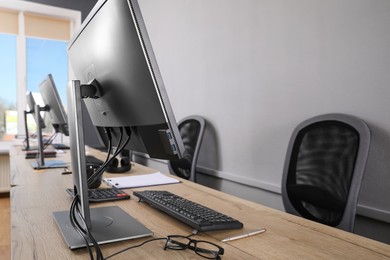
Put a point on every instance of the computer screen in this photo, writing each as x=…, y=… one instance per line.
x=54, y=105
x=117, y=76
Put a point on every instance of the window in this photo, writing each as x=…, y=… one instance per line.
x=8, y=32
x=46, y=56
x=8, y=120
x=33, y=41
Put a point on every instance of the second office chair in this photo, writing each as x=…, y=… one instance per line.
x=191, y=130
x=324, y=167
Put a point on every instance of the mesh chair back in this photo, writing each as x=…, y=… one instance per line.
x=324, y=168
x=191, y=130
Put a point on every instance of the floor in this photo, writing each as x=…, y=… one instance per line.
x=5, y=227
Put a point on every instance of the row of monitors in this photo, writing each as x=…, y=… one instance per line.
x=56, y=110
x=145, y=138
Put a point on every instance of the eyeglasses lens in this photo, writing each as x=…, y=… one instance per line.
x=207, y=250
x=177, y=242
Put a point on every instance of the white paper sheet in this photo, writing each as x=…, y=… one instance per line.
x=140, y=180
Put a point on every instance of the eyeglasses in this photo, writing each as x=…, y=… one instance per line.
x=203, y=248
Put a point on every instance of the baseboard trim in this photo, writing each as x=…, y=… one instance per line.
x=374, y=213
x=240, y=179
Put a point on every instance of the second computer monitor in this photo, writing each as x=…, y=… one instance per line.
x=54, y=105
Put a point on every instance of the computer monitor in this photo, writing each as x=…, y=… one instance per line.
x=118, y=78
x=52, y=100
x=31, y=110
x=40, y=123
x=35, y=110
x=59, y=119
x=30, y=101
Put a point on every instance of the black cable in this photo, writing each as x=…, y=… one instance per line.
x=118, y=150
x=49, y=141
x=85, y=233
x=102, y=167
x=141, y=244
x=45, y=145
x=76, y=225
x=131, y=247
x=98, y=251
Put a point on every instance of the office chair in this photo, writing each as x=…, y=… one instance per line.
x=191, y=130
x=324, y=167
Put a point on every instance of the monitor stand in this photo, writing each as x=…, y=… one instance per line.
x=49, y=164
x=26, y=130
x=40, y=163
x=109, y=224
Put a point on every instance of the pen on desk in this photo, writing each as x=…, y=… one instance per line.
x=249, y=234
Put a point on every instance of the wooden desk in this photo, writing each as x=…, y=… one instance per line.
x=35, y=235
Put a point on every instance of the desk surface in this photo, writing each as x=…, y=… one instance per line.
x=38, y=194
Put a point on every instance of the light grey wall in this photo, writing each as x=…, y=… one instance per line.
x=256, y=68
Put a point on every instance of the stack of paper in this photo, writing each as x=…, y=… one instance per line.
x=140, y=180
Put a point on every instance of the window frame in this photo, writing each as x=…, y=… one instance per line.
x=22, y=7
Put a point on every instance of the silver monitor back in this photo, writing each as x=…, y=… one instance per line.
x=113, y=48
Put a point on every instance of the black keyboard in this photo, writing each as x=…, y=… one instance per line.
x=193, y=214
x=104, y=194
x=89, y=159
x=60, y=146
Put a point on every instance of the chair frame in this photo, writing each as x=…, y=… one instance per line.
x=348, y=218
x=202, y=123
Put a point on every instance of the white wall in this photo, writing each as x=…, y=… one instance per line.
x=256, y=68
